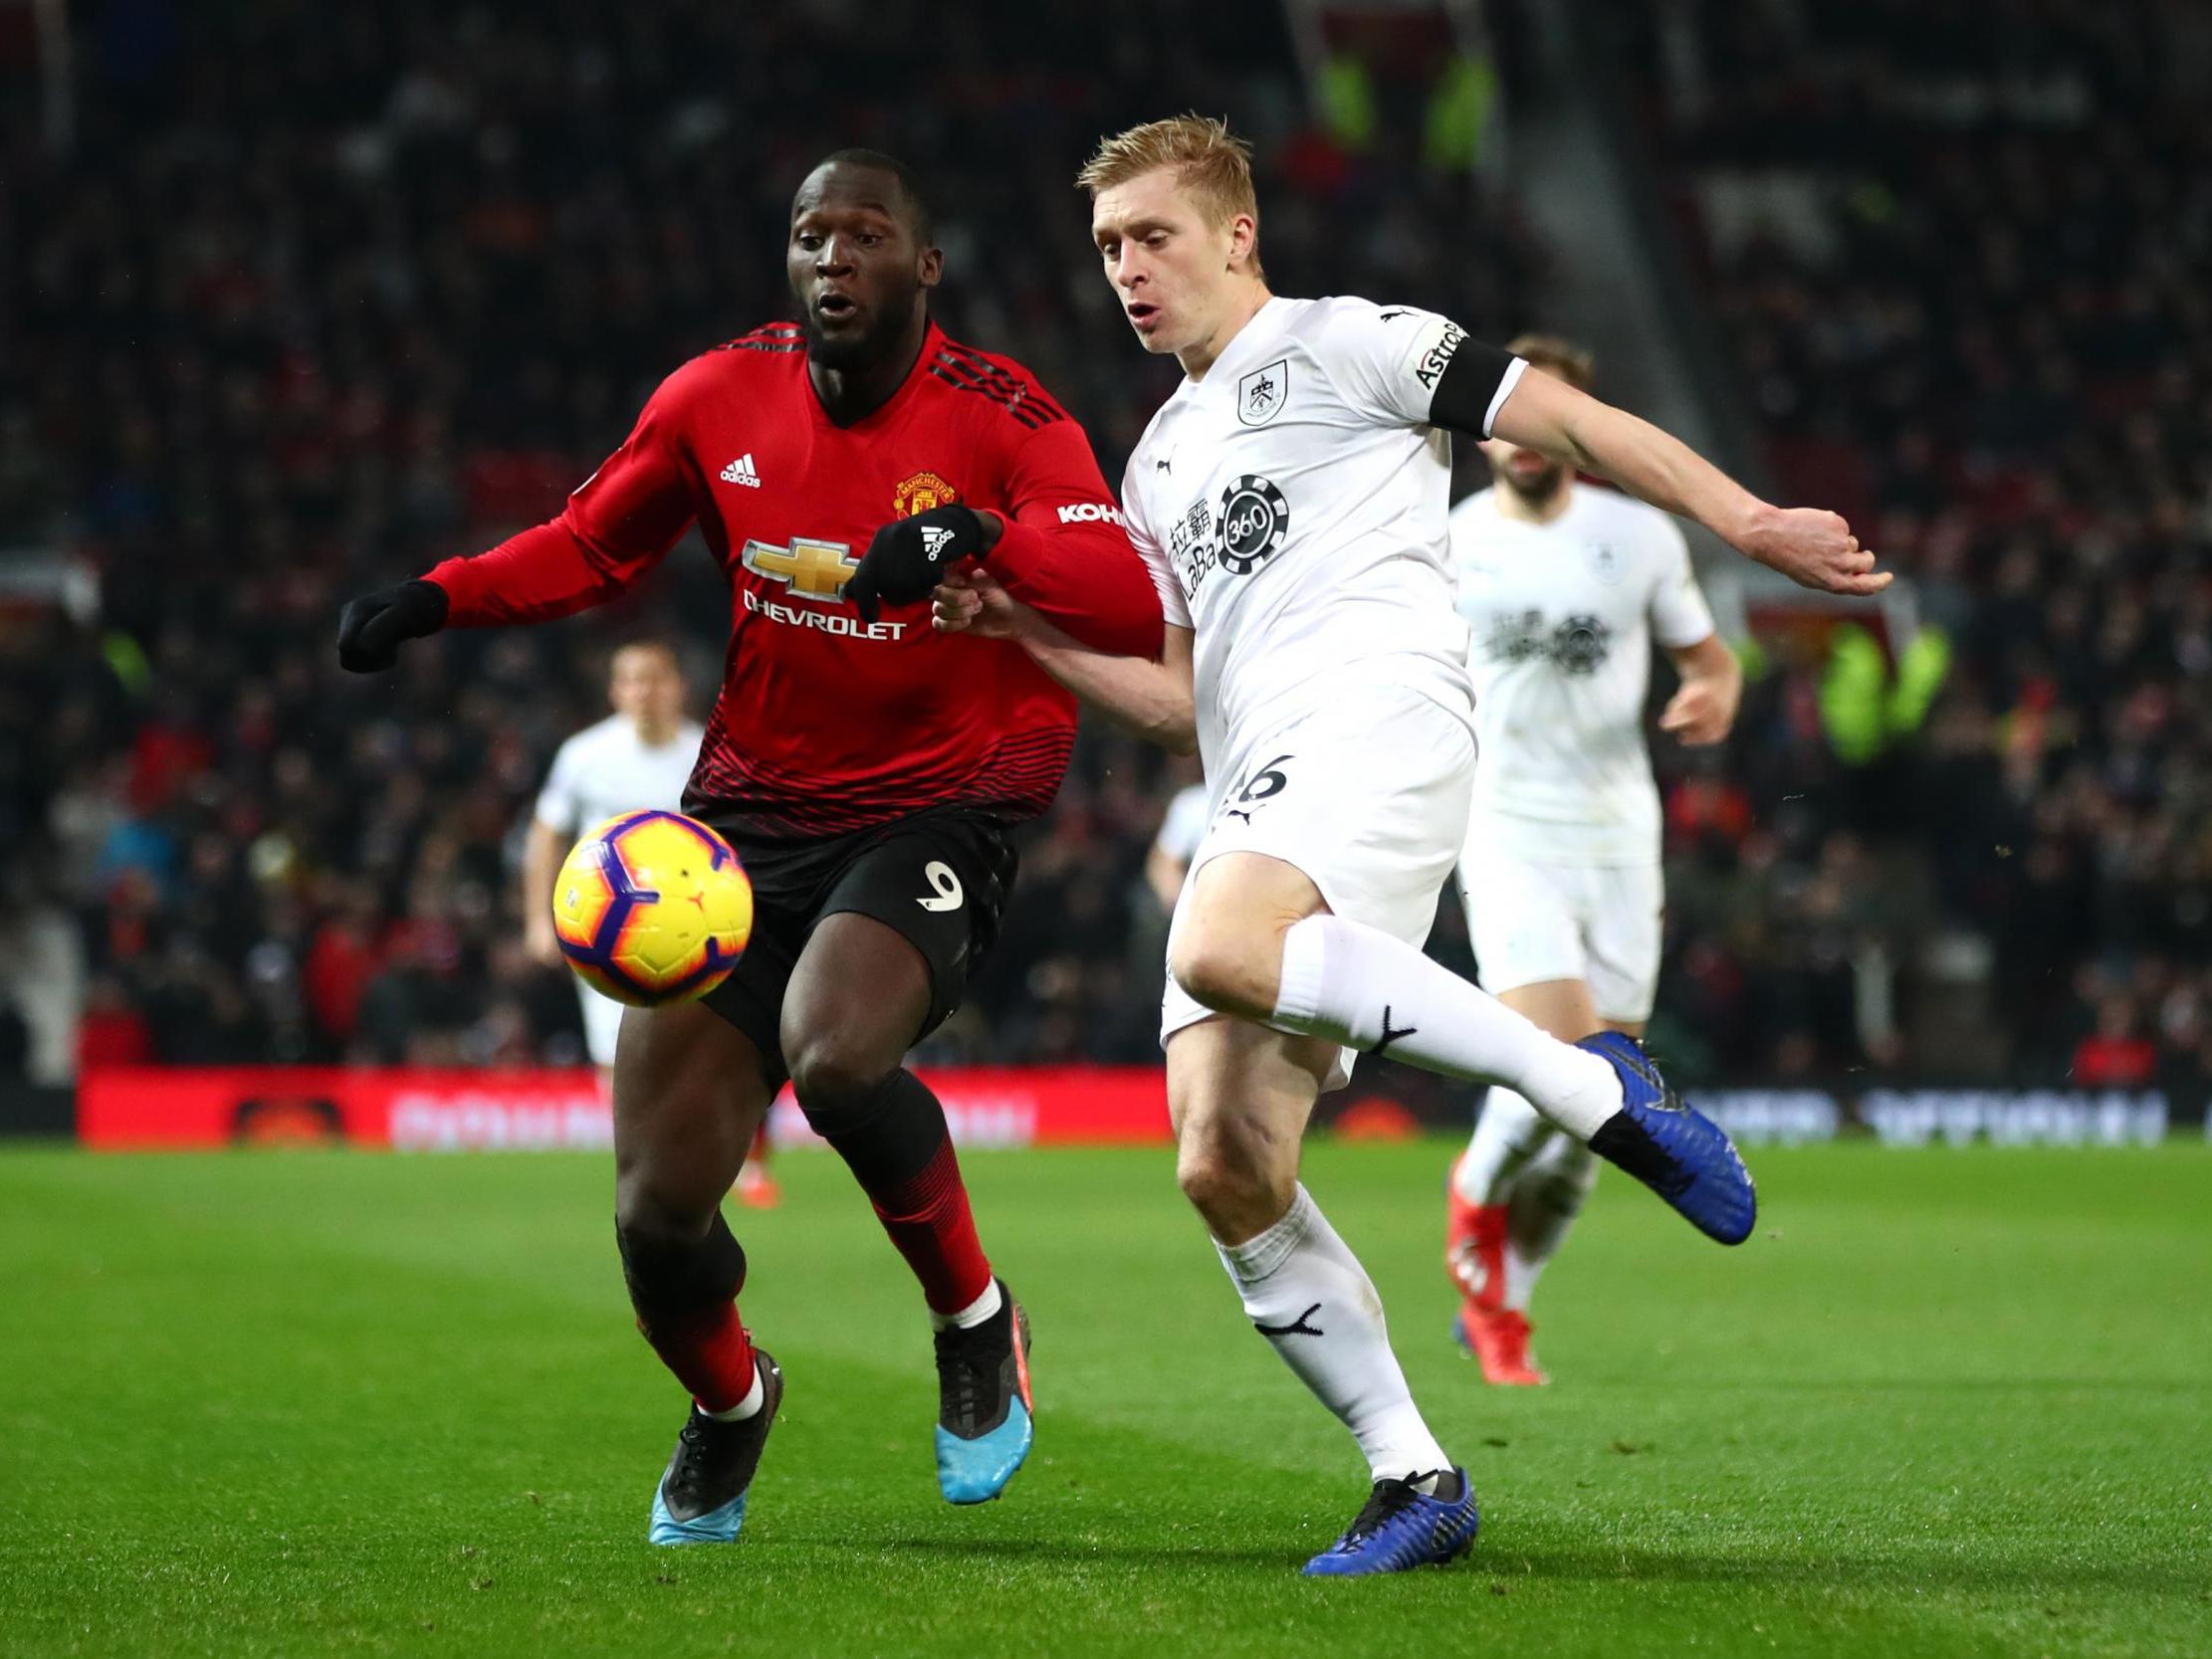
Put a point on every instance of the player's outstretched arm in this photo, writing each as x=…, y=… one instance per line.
x=1810, y=546
x=1149, y=697
x=617, y=525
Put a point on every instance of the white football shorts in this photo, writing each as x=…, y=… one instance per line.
x=1367, y=796
x=1533, y=923
x=602, y=1023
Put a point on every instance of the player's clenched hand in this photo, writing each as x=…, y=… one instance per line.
x=910, y=557
x=371, y=628
x=1814, y=549
x=1700, y=713
x=974, y=602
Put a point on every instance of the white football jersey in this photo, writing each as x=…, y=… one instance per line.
x=1561, y=620
x=1292, y=507
x=604, y=769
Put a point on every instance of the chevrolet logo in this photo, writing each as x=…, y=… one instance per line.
x=817, y=570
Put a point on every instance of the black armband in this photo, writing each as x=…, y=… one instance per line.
x=1471, y=384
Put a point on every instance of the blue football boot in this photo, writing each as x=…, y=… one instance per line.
x=1671, y=1146
x=1402, y=1526
x=983, y=1425
x=701, y=1499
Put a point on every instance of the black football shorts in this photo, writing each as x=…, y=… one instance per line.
x=940, y=878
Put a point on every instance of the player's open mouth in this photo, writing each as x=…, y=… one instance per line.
x=836, y=308
x=1143, y=315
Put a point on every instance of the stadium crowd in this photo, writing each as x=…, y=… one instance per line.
x=315, y=299
x=1958, y=252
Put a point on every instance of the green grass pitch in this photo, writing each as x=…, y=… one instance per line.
x=1945, y=1402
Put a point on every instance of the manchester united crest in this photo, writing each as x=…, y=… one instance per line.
x=921, y=493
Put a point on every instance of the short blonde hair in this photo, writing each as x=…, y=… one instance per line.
x=1210, y=161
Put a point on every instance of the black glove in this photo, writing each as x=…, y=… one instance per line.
x=910, y=557
x=370, y=628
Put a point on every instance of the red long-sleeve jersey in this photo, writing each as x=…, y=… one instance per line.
x=825, y=722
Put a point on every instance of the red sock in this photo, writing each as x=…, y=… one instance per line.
x=930, y=1222
x=711, y=1354
x=1475, y=1250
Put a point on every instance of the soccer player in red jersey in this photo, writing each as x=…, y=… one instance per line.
x=867, y=769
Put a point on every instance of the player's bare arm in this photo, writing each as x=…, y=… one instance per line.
x=1149, y=697
x=1703, y=707
x=1810, y=546
x=541, y=855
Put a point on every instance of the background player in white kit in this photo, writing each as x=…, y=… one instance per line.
x=1290, y=497
x=1182, y=828
x=641, y=755
x=1564, y=588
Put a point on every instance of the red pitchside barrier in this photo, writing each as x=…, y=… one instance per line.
x=148, y=1108
x=1042, y=1106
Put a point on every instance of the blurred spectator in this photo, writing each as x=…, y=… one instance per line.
x=2115, y=1054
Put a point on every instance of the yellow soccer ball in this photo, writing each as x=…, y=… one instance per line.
x=652, y=907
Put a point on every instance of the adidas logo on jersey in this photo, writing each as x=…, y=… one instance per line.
x=741, y=471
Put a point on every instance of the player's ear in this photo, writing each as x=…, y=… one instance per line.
x=931, y=268
x=1243, y=240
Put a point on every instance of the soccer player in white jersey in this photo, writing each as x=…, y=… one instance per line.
x=1292, y=497
x=1182, y=828
x=1565, y=589
x=641, y=755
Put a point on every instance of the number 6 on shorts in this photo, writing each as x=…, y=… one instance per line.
x=948, y=894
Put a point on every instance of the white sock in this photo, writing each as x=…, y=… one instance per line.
x=974, y=1314
x=1546, y=1199
x=1508, y=1135
x=1359, y=986
x=744, y=1407
x=1318, y=1308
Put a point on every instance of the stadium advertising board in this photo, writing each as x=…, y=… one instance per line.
x=1913, y=1116
x=471, y=1111
x=464, y=1111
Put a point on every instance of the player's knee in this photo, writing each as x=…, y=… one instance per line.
x=658, y=1212
x=1236, y=1195
x=674, y=1270
x=1223, y=967
x=836, y=1078
x=1206, y=1179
